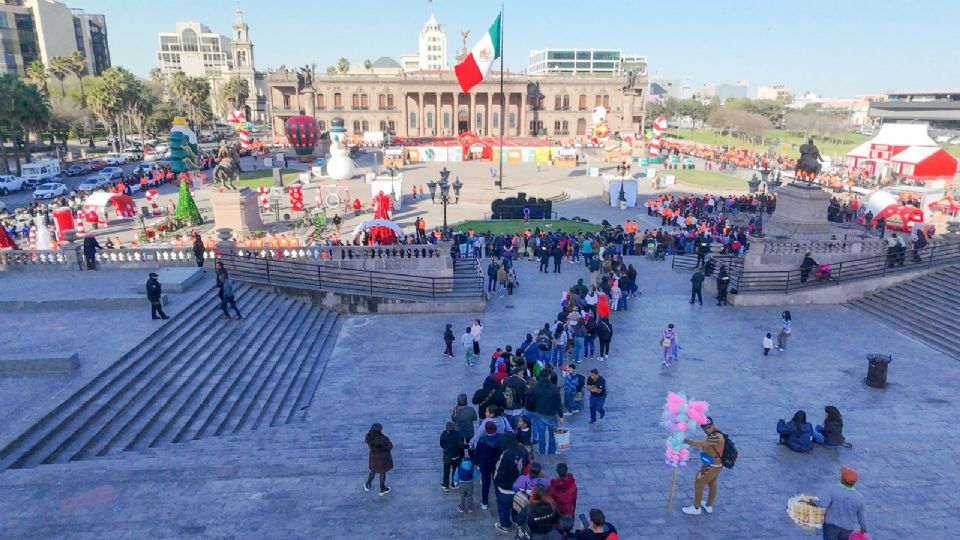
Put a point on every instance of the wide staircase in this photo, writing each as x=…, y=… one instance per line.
x=196, y=377
x=926, y=308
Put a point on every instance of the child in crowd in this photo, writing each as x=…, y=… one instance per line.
x=466, y=473
x=467, y=341
x=767, y=343
x=448, y=341
x=524, y=433
x=495, y=360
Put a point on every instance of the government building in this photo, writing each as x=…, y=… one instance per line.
x=390, y=97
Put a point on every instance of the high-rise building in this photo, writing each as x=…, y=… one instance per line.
x=433, y=46
x=42, y=29
x=197, y=51
x=593, y=62
x=724, y=92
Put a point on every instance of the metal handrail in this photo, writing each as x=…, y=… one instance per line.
x=785, y=281
x=305, y=275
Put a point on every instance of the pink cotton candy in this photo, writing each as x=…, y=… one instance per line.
x=681, y=426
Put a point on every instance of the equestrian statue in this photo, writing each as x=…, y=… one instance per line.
x=808, y=166
x=228, y=166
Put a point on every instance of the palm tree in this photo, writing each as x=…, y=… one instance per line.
x=343, y=65
x=59, y=67
x=77, y=63
x=23, y=109
x=37, y=73
x=157, y=76
x=368, y=65
x=109, y=96
x=235, y=93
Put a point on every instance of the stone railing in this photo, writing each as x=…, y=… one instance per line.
x=427, y=259
x=840, y=245
x=71, y=258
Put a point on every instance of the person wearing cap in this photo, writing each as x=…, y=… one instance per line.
x=711, y=449
x=844, y=507
x=154, y=295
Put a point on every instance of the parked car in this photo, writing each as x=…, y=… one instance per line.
x=10, y=183
x=78, y=169
x=97, y=164
x=161, y=148
x=40, y=171
x=112, y=173
x=92, y=183
x=152, y=156
x=115, y=158
x=132, y=154
x=49, y=191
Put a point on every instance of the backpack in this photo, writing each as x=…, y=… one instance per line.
x=729, y=456
x=508, y=470
x=510, y=396
x=543, y=342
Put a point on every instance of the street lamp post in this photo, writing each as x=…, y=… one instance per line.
x=445, y=197
x=762, y=207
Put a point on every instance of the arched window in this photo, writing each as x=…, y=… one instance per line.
x=429, y=120
x=189, y=40
x=382, y=101
x=413, y=120
x=446, y=120
x=606, y=102
x=390, y=104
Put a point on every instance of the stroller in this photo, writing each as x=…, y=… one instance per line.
x=823, y=272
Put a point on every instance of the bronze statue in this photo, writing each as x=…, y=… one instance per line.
x=228, y=166
x=808, y=166
x=464, y=34
x=305, y=77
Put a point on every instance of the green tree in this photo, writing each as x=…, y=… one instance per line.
x=343, y=65
x=332, y=70
x=77, y=64
x=160, y=119
x=23, y=110
x=235, y=93
x=109, y=98
x=192, y=96
x=368, y=65
x=187, y=211
x=37, y=73
x=59, y=68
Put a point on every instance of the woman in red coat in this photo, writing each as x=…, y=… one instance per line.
x=603, y=307
x=381, y=460
x=563, y=490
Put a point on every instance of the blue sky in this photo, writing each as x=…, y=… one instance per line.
x=853, y=47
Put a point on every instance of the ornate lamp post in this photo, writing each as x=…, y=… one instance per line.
x=445, y=196
x=766, y=184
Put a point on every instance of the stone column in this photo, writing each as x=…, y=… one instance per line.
x=471, y=121
x=310, y=107
x=437, y=125
x=522, y=114
x=421, y=124
x=488, y=116
x=626, y=125
x=456, y=112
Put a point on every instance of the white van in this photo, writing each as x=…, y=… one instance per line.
x=40, y=171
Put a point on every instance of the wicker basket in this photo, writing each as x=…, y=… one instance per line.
x=807, y=517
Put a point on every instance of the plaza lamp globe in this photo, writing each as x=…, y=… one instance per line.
x=457, y=186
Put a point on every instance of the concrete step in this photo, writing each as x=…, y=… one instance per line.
x=64, y=419
x=304, y=397
x=895, y=316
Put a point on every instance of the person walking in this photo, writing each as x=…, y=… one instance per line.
x=228, y=298
x=589, y=343
x=502, y=279
x=381, y=458
x=604, y=335
x=198, y=249
x=696, y=282
x=154, y=295
x=466, y=473
x=786, y=330
x=670, y=345
x=844, y=508
x=579, y=339
x=597, y=386
x=573, y=384
x=711, y=450
x=475, y=331
x=448, y=341
x=492, y=269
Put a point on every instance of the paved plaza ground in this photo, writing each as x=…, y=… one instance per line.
x=304, y=480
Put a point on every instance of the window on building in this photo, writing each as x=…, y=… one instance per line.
x=322, y=125
x=583, y=102
x=429, y=120
x=536, y=126
x=287, y=101
x=565, y=127
x=566, y=103
x=364, y=126
x=392, y=126
x=496, y=120
x=189, y=40
x=364, y=101
x=446, y=120
x=513, y=120
x=413, y=120
x=556, y=126
x=356, y=127
x=606, y=102
x=390, y=104
x=479, y=121
x=382, y=101
x=338, y=101
x=599, y=101
x=557, y=102
x=321, y=102
x=383, y=125
x=355, y=101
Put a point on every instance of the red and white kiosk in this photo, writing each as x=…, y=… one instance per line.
x=99, y=206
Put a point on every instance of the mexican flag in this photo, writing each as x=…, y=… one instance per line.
x=477, y=64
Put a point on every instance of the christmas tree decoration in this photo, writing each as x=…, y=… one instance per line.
x=296, y=197
x=187, y=211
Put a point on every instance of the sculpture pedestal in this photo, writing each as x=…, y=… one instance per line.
x=236, y=210
x=801, y=214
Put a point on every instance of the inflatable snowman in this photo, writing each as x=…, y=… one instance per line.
x=340, y=166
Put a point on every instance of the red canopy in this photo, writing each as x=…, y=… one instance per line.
x=946, y=204
x=899, y=217
x=5, y=241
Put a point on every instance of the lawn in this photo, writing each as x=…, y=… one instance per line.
x=264, y=177
x=707, y=179
x=788, y=142
x=511, y=226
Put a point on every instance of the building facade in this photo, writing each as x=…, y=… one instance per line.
x=430, y=103
x=42, y=29
x=197, y=51
x=724, y=91
x=432, y=48
x=776, y=92
x=589, y=62
x=941, y=110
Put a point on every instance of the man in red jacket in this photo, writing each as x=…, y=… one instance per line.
x=563, y=490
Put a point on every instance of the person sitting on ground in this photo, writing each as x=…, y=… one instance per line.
x=598, y=529
x=797, y=434
x=830, y=434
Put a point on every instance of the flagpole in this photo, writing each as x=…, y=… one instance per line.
x=502, y=101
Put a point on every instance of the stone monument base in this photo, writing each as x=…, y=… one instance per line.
x=801, y=214
x=236, y=210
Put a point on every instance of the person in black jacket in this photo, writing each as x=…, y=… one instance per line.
x=198, y=249
x=448, y=340
x=452, y=444
x=90, y=247
x=492, y=269
x=696, y=281
x=514, y=390
x=154, y=295
x=509, y=467
x=830, y=434
x=604, y=335
x=547, y=411
x=540, y=514
x=599, y=528
x=489, y=394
